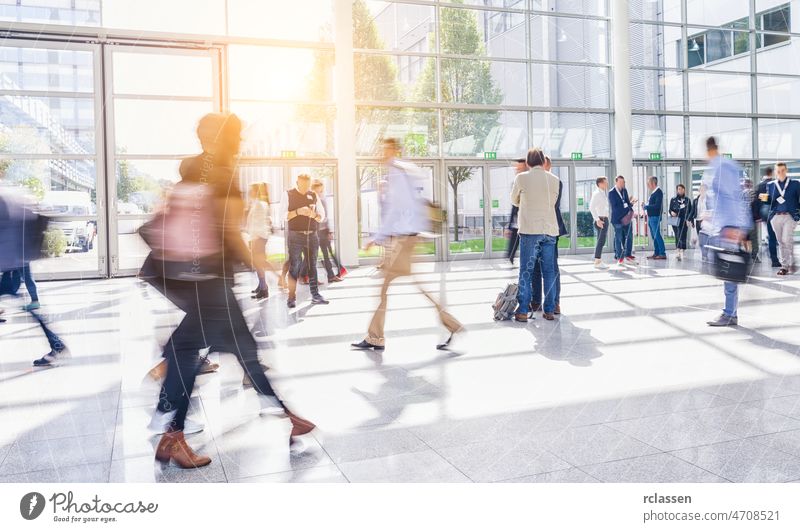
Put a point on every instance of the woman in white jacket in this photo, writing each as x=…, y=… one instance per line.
x=259, y=227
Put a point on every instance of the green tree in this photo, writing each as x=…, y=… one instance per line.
x=467, y=81
x=375, y=75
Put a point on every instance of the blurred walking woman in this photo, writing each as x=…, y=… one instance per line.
x=259, y=227
x=679, y=208
x=196, y=243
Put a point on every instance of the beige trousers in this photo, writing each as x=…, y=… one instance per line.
x=783, y=225
x=398, y=264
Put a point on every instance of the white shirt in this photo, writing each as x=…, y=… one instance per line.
x=319, y=207
x=259, y=224
x=403, y=212
x=598, y=205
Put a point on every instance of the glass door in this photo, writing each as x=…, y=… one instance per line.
x=500, y=182
x=466, y=211
x=637, y=188
x=155, y=97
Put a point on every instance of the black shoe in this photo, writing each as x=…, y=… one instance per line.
x=261, y=294
x=319, y=300
x=363, y=344
x=254, y=290
x=50, y=359
x=291, y=303
x=776, y=264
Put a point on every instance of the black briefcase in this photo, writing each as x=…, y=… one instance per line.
x=730, y=264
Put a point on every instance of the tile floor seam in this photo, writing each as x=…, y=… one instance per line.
x=443, y=457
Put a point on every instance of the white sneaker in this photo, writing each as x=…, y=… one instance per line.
x=161, y=420
x=599, y=265
x=269, y=405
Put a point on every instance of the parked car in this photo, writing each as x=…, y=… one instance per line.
x=80, y=234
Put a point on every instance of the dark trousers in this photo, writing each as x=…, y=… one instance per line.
x=258, y=249
x=772, y=244
x=9, y=284
x=602, y=236
x=681, y=233
x=326, y=246
x=538, y=280
x=513, y=245
x=303, y=250
x=213, y=317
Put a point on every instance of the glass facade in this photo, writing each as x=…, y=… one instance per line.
x=466, y=85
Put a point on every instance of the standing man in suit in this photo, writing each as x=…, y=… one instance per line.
x=621, y=215
x=654, y=208
x=784, y=213
x=535, y=192
x=512, y=231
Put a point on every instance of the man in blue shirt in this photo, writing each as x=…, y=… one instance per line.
x=730, y=219
x=784, y=212
x=654, y=208
x=621, y=207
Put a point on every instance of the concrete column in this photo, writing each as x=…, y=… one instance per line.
x=621, y=61
x=344, y=96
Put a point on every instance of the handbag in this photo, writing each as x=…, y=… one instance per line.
x=674, y=221
x=730, y=264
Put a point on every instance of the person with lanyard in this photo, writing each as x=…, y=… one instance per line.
x=621, y=215
x=403, y=218
x=512, y=231
x=654, y=207
x=729, y=220
x=679, y=208
x=326, y=233
x=598, y=206
x=761, y=214
x=784, y=202
x=304, y=212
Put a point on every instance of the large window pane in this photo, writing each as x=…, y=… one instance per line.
x=501, y=180
x=734, y=135
x=719, y=49
x=417, y=129
x=569, y=39
x=778, y=95
x=465, y=209
x=395, y=78
x=280, y=74
x=570, y=86
x=305, y=129
x=657, y=134
x=46, y=69
x=656, y=90
x=719, y=93
x=159, y=127
x=298, y=20
x=472, y=133
x=778, y=139
x=80, y=13
x=33, y=125
x=174, y=16
x=392, y=26
x=562, y=134
x=473, y=32
x=40, y=176
x=484, y=82
x=580, y=7
x=142, y=183
x=160, y=74
x=715, y=13
x=656, y=10
x=655, y=45
x=780, y=59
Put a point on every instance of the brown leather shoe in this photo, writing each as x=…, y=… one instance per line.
x=558, y=309
x=536, y=307
x=206, y=366
x=159, y=371
x=548, y=316
x=522, y=318
x=173, y=447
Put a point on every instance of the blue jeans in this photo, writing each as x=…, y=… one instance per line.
x=731, y=289
x=532, y=247
x=303, y=250
x=537, y=279
x=623, y=238
x=654, y=224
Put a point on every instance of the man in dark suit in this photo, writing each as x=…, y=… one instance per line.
x=537, y=271
x=784, y=213
x=512, y=229
x=621, y=206
x=761, y=214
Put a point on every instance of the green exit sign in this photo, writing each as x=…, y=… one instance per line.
x=577, y=156
x=490, y=155
x=728, y=155
x=580, y=202
x=655, y=156
x=289, y=154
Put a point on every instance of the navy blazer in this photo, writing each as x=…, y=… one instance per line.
x=655, y=204
x=562, y=229
x=616, y=204
x=792, y=197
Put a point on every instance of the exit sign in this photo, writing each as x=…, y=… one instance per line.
x=289, y=154
x=577, y=156
x=490, y=155
x=655, y=156
x=728, y=155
